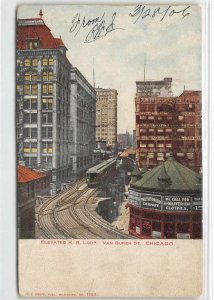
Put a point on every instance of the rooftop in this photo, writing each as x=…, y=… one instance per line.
x=26, y=174
x=35, y=28
x=170, y=176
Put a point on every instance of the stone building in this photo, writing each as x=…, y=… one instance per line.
x=83, y=112
x=167, y=124
x=166, y=202
x=51, y=122
x=106, y=116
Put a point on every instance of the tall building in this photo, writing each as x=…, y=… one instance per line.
x=168, y=124
x=106, y=116
x=46, y=113
x=83, y=112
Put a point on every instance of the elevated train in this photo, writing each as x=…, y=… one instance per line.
x=100, y=172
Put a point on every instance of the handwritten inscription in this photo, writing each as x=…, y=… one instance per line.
x=98, y=26
x=141, y=12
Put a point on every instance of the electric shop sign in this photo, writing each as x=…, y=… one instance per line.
x=165, y=203
x=144, y=200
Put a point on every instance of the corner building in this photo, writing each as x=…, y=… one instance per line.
x=166, y=203
x=45, y=126
x=167, y=124
x=106, y=116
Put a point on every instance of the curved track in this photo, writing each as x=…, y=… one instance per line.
x=69, y=215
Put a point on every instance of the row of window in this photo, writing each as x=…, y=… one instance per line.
x=31, y=147
x=162, y=156
x=33, y=76
x=47, y=132
x=46, y=61
x=32, y=89
x=47, y=103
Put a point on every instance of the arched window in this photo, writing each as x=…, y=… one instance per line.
x=51, y=61
x=35, y=62
x=44, y=61
x=44, y=76
x=26, y=62
x=34, y=76
x=27, y=76
x=50, y=75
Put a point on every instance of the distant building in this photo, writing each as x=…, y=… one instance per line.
x=166, y=202
x=55, y=106
x=106, y=116
x=160, y=88
x=168, y=124
x=124, y=140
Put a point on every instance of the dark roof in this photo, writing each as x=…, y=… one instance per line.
x=26, y=174
x=144, y=169
x=170, y=176
x=36, y=29
x=136, y=171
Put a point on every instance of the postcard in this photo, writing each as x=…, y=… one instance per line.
x=109, y=150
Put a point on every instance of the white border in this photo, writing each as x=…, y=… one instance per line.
x=8, y=278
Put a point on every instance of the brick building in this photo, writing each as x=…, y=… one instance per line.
x=168, y=124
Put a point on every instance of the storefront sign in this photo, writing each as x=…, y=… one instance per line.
x=197, y=204
x=151, y=202
x=177, y=203
x=134, y=198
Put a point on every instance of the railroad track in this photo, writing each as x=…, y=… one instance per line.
x=68, y=215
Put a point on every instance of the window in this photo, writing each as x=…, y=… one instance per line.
x=34, y=90
x=27, y=62
x=50, y=75
x=180, y=154
x=30, y=147
x=27, y=76
x=47, y=75
x=34, y=132
x=190, y=155
x=47, y=103
x=30, y=89
x=44, y=76
x=51, y=61
x=180, y=118
x=35, y=62
x=47, y=147
x=27, y=89
x=44, y=61
x=33, y=44
x=47, y=132
x=47, y=118
x=47, y=89
x=30, y=132
x=34, y=76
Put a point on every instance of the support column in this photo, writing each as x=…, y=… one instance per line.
x=162, y=226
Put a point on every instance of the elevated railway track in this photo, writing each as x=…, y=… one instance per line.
x=70, y=214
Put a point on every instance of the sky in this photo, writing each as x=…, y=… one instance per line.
x=169, y=48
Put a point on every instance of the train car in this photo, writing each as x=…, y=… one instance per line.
x=100, y=172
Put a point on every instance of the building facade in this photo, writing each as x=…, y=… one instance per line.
x=168, y=124
x=83, y=112
x=106, y=116
x=49, y=133
x=166, y=202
